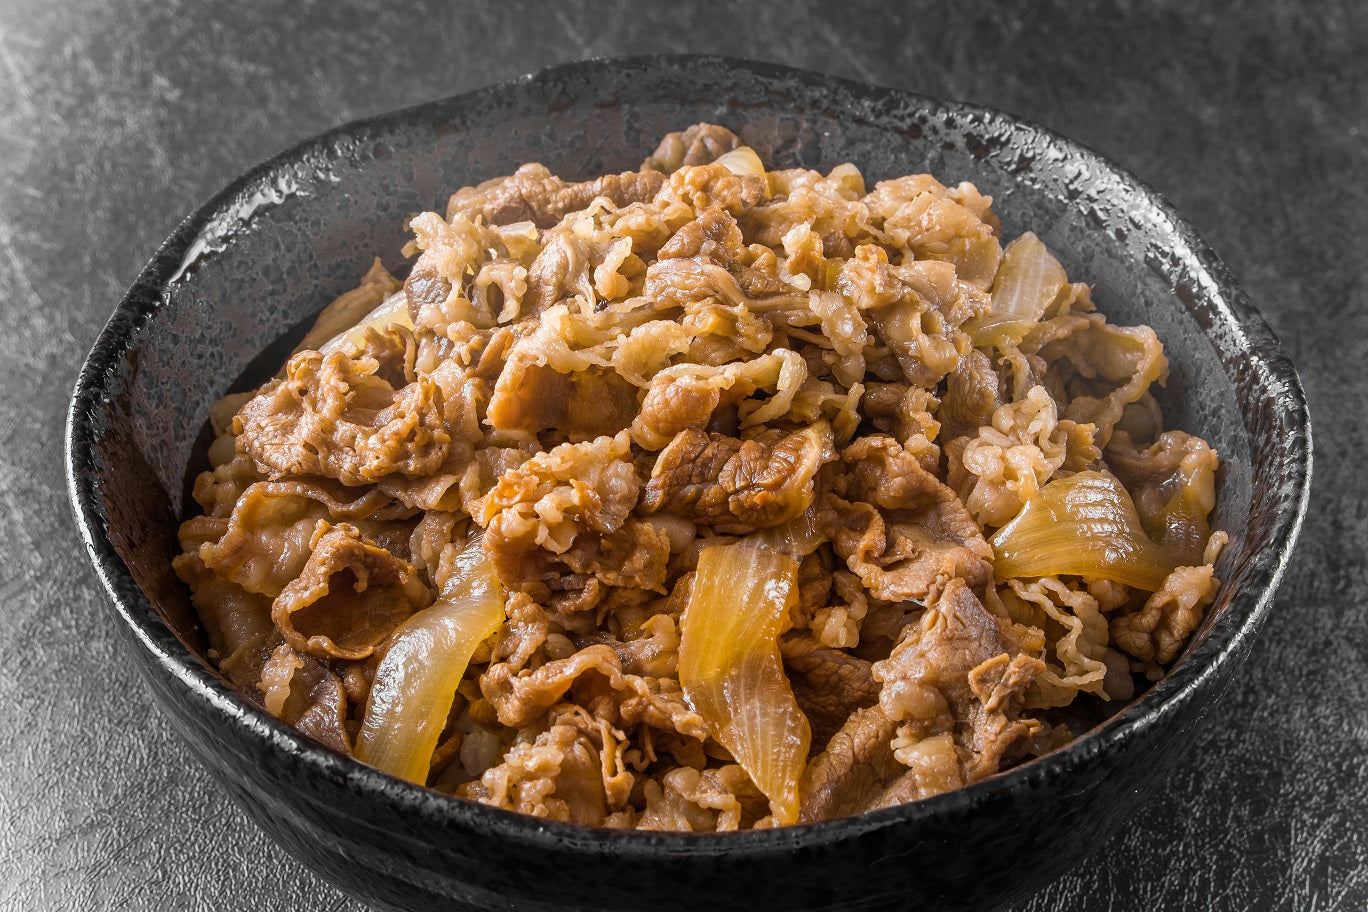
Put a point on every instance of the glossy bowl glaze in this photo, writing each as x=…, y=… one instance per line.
x=253, y=266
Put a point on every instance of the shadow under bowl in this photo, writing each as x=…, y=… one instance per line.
x=255, y=264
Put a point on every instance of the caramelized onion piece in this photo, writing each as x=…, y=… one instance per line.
x=1027, y=282
x=416, y=681
x=731, y=671
x=742, y=161
x=1087, y=525
x=797, y=538
x=394, y=309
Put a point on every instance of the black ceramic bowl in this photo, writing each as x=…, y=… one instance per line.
x=258, y=261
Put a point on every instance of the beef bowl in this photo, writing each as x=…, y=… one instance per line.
x=225, y=299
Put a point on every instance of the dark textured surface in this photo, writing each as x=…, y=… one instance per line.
x=117, y=121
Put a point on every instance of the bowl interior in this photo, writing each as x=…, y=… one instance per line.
x=257, y=263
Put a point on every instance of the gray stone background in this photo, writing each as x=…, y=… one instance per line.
x=117, y=118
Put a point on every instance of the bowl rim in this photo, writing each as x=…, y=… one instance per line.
x=1226, y=641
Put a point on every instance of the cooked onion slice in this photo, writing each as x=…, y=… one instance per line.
x=1087, y=525
x=742, y=161
x=797, y=538
x=394, y=309
x=1027, y=282
x=731, y=672
x=427, y=657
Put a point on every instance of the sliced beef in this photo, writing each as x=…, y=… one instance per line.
x=579, y=405
x=426, y=288
x=702, y=187
x=829, y=685
x=737, y=486
x=973, y=393
x=563, y=267
x=852, y=773
x=904, y=413
x=698, y=145
x=1157, y=632
x=350, y=595
x=518, y=696
x=710, y=800
x=898, y=527
x=301, y=691
x=673, y=405
x=635, y=556
x=536, y=512
x=571, y=771
x=534, y=194
x=521, y=695
x=915, y=308
x=714, y=238
x=933, y=222
x=687, y=395
x=336, y=417
x=691, y=280
x=1101, y=368
x=960, y=672
x=551, y=498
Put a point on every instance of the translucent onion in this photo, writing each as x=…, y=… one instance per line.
x=393, y=309
x=797, y=538
x=1087, y=525
x=731, y=671
x=742, y=161
x=1187, y=497
x=416, y=681
x=1027, y=282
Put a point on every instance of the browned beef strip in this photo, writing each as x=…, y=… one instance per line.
x=349, y=597
x=534, y=194
x=854, y=770
x=828, y=683
x=303, y=692
x=961, y=671
x=337, y=417
x=698, y=145
x=734, y=486
x=898, y=527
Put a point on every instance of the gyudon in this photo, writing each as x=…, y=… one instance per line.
x=703, y=497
